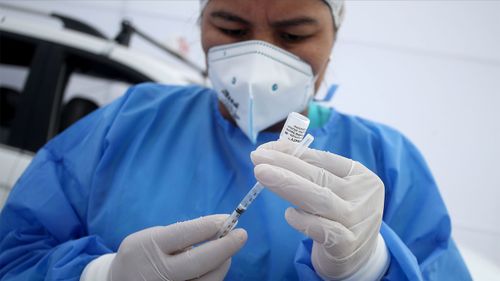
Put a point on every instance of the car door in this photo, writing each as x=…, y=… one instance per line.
x=58, y=85
x=16, y=58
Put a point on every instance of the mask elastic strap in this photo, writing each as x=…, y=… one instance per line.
x=250, y=117
x=329, y=94
x=330, y=89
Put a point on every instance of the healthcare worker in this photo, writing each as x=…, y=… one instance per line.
x=135, y=190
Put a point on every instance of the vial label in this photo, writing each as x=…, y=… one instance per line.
x=294, y=133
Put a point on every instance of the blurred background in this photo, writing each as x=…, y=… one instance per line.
x=431, y=69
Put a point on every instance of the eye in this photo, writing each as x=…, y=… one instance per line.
x=292, y=38
x=233, y=32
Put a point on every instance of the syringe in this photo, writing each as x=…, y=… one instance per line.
x=293, y=131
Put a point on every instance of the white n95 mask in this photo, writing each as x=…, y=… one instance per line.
x=259, y=83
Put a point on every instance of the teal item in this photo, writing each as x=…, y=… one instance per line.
x=318, y=115
x=163, y=154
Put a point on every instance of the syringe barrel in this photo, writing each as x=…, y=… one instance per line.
x=252, y=194
x=295, y=127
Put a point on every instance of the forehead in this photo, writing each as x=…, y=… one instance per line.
x=269, y=11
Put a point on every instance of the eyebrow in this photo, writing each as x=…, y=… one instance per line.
x=278, y=24
x=295, y=22
x=229, y=17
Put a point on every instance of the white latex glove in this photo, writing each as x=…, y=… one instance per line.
x=340, y=204
x=168, y=253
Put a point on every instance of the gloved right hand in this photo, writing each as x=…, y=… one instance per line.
x=167, y=252
x=339, y=204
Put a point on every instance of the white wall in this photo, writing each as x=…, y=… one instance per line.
x=429, y=68
x=432, y=70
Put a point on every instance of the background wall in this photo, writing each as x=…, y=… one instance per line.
x=432, y=70
x=428, y=68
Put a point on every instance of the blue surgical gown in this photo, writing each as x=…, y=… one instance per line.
x=163, y=154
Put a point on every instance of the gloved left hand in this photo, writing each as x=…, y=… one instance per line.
x=340, y=204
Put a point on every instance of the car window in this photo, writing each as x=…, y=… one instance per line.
x=15, y=60
x=56, y=85
x=85, y=93
x=93, y=81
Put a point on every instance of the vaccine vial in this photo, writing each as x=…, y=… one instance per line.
x=295, y=127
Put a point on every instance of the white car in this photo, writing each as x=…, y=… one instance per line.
x=51, y=76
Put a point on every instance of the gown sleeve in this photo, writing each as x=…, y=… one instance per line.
x=43, y=232
x=416, y=226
